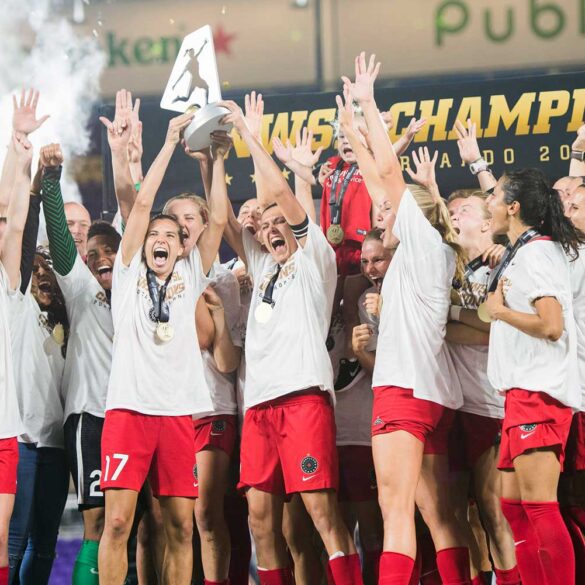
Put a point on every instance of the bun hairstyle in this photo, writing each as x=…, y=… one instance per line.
x=435, y=210
x=541, y=208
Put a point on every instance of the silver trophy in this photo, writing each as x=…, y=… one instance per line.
x=194, y=85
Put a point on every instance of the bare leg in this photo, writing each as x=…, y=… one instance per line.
x=177, y=514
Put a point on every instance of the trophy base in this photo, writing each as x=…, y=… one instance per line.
x=206, y=121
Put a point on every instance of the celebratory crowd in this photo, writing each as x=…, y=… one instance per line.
x=391, y=393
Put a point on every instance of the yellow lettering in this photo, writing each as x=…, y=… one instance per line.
x=544, y=154
x=405, y=162
x=578, y=111
x=436, y=120
x=501, y=112
x=445, y=161
x=509, y=156
x=552, y=105
x=488, y=156
x=470, y=108
x=407, y=109
x=320, y=124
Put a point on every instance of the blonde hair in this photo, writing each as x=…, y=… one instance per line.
x=435, y=210
x=199, y=202
x=466, y=194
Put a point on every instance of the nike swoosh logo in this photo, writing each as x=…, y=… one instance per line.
x=216, y=434
x=94, y=571
x=308, y=478
x=195, y=485
x=519, y=542
x=526, y=435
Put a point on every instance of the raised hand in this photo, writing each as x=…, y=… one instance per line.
x=24, y=151
x=467, y=143
x=120, y=130
x=579, y=143
x=51, y=155
x=303, y=152
x=345, y=113
x=362, y=90
x=254, y=107
x=425, y=167
x=135, y=149
x=388, y=119
x=493, y=255
x=325, y=172
x=414, y=127
x=282, y=152
x=372, y=304
x=221, y=143
x=235, y=117
x=176, y=127
x=360, y=337
x=24, y=116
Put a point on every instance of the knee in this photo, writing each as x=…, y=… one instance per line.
x=118, y=526
x=394, y=505
x=208, y=515
x=433, y=514
x=325, y=518
x=180, y=531
x=262, y=527
x=94, y=527
x=492, y=514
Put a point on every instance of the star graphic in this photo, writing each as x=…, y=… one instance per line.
x=285, y=173
x=253, y=178
x=222, y=40
x=228, y=179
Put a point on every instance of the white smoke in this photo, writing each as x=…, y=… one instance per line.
x=40, y=49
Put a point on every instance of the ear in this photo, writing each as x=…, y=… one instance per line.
x=514, y=208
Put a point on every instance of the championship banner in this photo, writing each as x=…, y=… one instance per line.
x=525, y=122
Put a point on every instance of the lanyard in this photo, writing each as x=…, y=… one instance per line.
x=526, y=237
x=160, y=310
x=334, y=200
x=473, y=266
x=267, y=297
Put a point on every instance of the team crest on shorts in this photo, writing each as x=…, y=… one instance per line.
x=528, y=428
x=309, y=465
x=218, y=426
x=195, y=472
x=378, y=421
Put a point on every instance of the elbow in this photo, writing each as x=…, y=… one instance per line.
x=205, y=339
x=553, y=332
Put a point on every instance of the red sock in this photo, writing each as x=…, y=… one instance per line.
x=578, y=540
x=372, y=563
x=525, y=541
x=508, y=577
x=208, y=582
x=346, y=570
x=395, y=569
x=3, y=575
x=554, y=543
x=453, y=565
x=478, y=580
x=329, y=575
x=276, y=576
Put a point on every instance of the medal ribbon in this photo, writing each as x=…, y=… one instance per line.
x=267, y=297
x=334, y=200
x=160, y=309
x=528, y=235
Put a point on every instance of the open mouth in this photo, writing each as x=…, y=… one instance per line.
x=44, y=287
x=347, y=150
x=248, y=224
x=278, y=244
x=160, y=256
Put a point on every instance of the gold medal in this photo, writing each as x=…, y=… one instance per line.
x=58, y=334
x=165, y=332
x=335, y=234
x=483, y=313
x=263, y=313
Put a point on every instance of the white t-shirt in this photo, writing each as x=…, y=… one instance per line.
x=518, y=360
x=353, y=409
x=288, y=353
x=223, y=386
x=149, y=376
x=416, y=296
x=479, y=397
x=89, y=349
x=577, y=268
x=10, y=422
x=38, y=369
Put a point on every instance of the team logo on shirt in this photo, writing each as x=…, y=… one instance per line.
x=287, y=274
x=101, y=300
x=218, y=426
x=309, y=465
x=175, y=289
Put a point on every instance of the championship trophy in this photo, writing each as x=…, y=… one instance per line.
x=194, y=85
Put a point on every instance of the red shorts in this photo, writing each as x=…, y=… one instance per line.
x=288, y=445
x=349, y=258
x=357, y=477
x=136, y=446
x=8, y=465
x=533, y=420
x=396, y=409
x=576, y=444
x=471, y=437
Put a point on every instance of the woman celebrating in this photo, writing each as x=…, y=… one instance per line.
x=532, y=357
x=414, y=389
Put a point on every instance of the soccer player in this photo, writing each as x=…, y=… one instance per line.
x=288, y=438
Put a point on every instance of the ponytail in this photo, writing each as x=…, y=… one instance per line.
x=542, y=209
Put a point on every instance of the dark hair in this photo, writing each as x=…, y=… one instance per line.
x=375, y=234
x=541, y=208
x=103, y=228
x=3, y=219
x=269, y=206
x=162, y=216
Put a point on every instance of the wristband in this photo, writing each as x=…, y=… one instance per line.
x=302, y=229
x=478, y=166
x=578, y=155
x=455, y=312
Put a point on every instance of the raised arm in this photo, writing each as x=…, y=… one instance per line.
x=276, y=188
x=119, y=132
x=210, y=239
x=29, y=240
x=139, y=217
x=61, y=242
x=470, y=154
x=284, y=153
x=135, y=149
x=414, y=127
x=11, y=252
x=387, y=163
x=424, y=173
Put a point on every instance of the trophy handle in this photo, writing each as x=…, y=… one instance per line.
x=206, y=121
